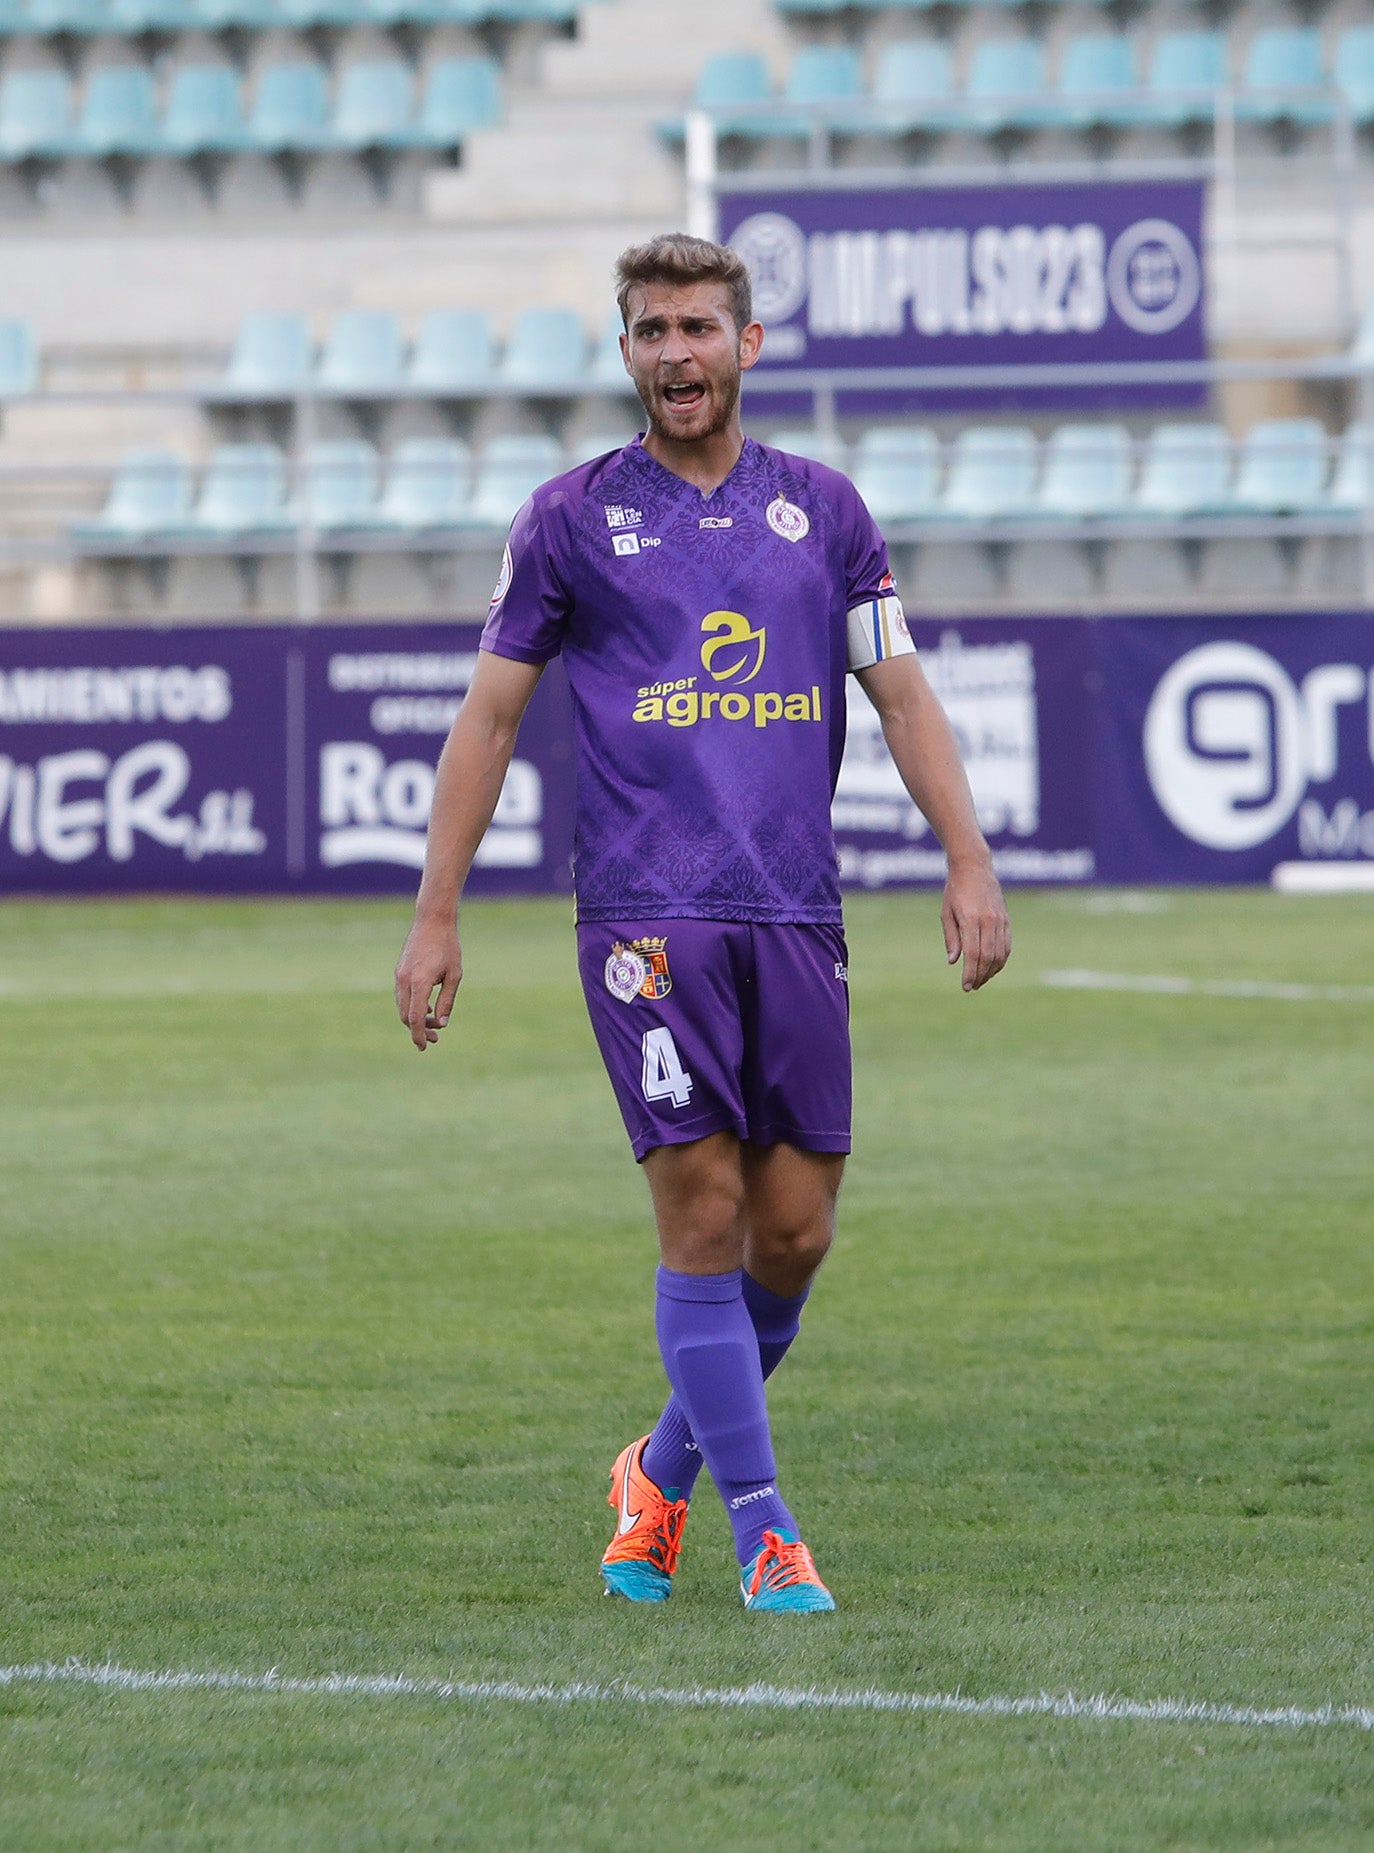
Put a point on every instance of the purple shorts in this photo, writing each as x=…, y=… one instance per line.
x=722, y=1026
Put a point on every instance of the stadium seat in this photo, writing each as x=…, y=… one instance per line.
x=217, y=15
x=35, y=114
x=897, y=472
x=827, y=82
x=428, y=485
x=139, y=16
x=290, y=109
x=18, y=359
x=1006, y=85
x=547, y=349
x=913, y=86
x=991, y=473
x=1087, y=471
x=1187, y=471
x=365, y=353
x=373, y=105
x=150, y=494
x=1186, y=72
x=204, y=110
x=119, y=113
x=512, y=468
x=1353, y=71
x=732, y=81
x=1284, y=78
x=339, y=489
x=453, y=352
x=819, y=446
x=1097, y=79
x=1283, y=466
x=82, y=18
x=271, y=358
x=461, y=95
x=1352, y=483
x=13, y=18
x=243, y=491
x=608, y=368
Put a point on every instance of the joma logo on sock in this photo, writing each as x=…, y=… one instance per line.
x=747, y=1499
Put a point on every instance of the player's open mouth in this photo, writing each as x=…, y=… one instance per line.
x=686, y=396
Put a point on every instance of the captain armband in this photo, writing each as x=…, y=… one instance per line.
x=877, y=630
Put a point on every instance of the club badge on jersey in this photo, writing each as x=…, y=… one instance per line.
x=639, y=969
x=787, y=519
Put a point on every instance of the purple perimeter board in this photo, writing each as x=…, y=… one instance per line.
x=977, y=276
x=278, y=760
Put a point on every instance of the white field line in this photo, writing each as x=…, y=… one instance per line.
x=1211, y=987
x=693, y=1698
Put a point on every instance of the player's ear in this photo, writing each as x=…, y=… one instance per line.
x=750, y=342
x=625, y=351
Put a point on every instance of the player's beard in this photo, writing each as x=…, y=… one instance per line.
x=717, y=409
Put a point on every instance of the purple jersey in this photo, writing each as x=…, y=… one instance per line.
x=706, y=640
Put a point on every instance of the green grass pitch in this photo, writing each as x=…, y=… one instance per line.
x=314, y=1354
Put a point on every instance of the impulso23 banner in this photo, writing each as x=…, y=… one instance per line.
x=976, y=276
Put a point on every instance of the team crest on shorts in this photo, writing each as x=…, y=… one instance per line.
x=639, y=969
x=787, y=519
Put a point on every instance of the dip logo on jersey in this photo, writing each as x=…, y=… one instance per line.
x=733, y=652
x=737, y=653
x=639, y=969
x=787, y=519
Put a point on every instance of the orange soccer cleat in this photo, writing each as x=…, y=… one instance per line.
x=783, y=1579
x=642, y=1556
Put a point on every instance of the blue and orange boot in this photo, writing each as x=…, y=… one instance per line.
x=642, y=1556
x=782, y=1579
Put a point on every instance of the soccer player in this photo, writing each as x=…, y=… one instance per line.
x=708, y=596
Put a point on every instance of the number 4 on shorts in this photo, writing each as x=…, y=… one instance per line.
x=664, y=1074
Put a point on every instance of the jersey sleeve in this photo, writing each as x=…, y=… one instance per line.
x=877, y=623
x=531, y=605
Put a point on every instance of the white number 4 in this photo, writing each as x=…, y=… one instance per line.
x=664, y=1074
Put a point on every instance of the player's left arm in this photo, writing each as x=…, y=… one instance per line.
x=923, y=748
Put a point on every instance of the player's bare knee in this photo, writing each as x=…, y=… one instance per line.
x=799, y=1245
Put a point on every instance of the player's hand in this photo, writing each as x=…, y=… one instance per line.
x=974, y=917
x=430, y=959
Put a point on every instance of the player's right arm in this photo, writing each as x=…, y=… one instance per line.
x=472, y=769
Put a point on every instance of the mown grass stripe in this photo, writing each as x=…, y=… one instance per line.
x=703, y=1698
x=1162, y=986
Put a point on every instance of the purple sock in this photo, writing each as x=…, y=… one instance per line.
x=711, y=1354
x=671, y=1457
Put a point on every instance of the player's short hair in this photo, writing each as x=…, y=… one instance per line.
x=676, y=258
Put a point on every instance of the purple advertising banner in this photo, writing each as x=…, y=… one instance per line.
x=1016, y=692
x=1225, y=748
x=235, y=760
x=981, y=276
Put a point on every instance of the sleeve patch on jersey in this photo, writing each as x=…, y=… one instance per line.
x=878, y=630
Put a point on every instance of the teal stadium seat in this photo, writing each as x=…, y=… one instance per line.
x=13, y=19
x=1187, y=471
x=735, y=80
x=428, y=484
x=1353, y=72
x=460, y=96
x=1352, y=483
x=913, y=87
x=991, y=473
x=19, y=368
x=607, y=367
x=1087, y=471
x=217, y=15
x=272, y=358
x=826, y=79
x=365, y=353
x=290, y=109
x=1187, y=70
x=1283, y=467
x=150, y=494
x=1006, y=86
x=453, y=353
x=204, y=112
x=819, y=446
x=512, y=468
x=303, y=14
x=243, y=491
x=1097, y=81
x=897, y=472
x=1285, y=78
x=547, y=349
x=373, y=105
x=80, y=18
x=339, y=488
x=118, y=113
x=138, y=16
x=35, y=114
